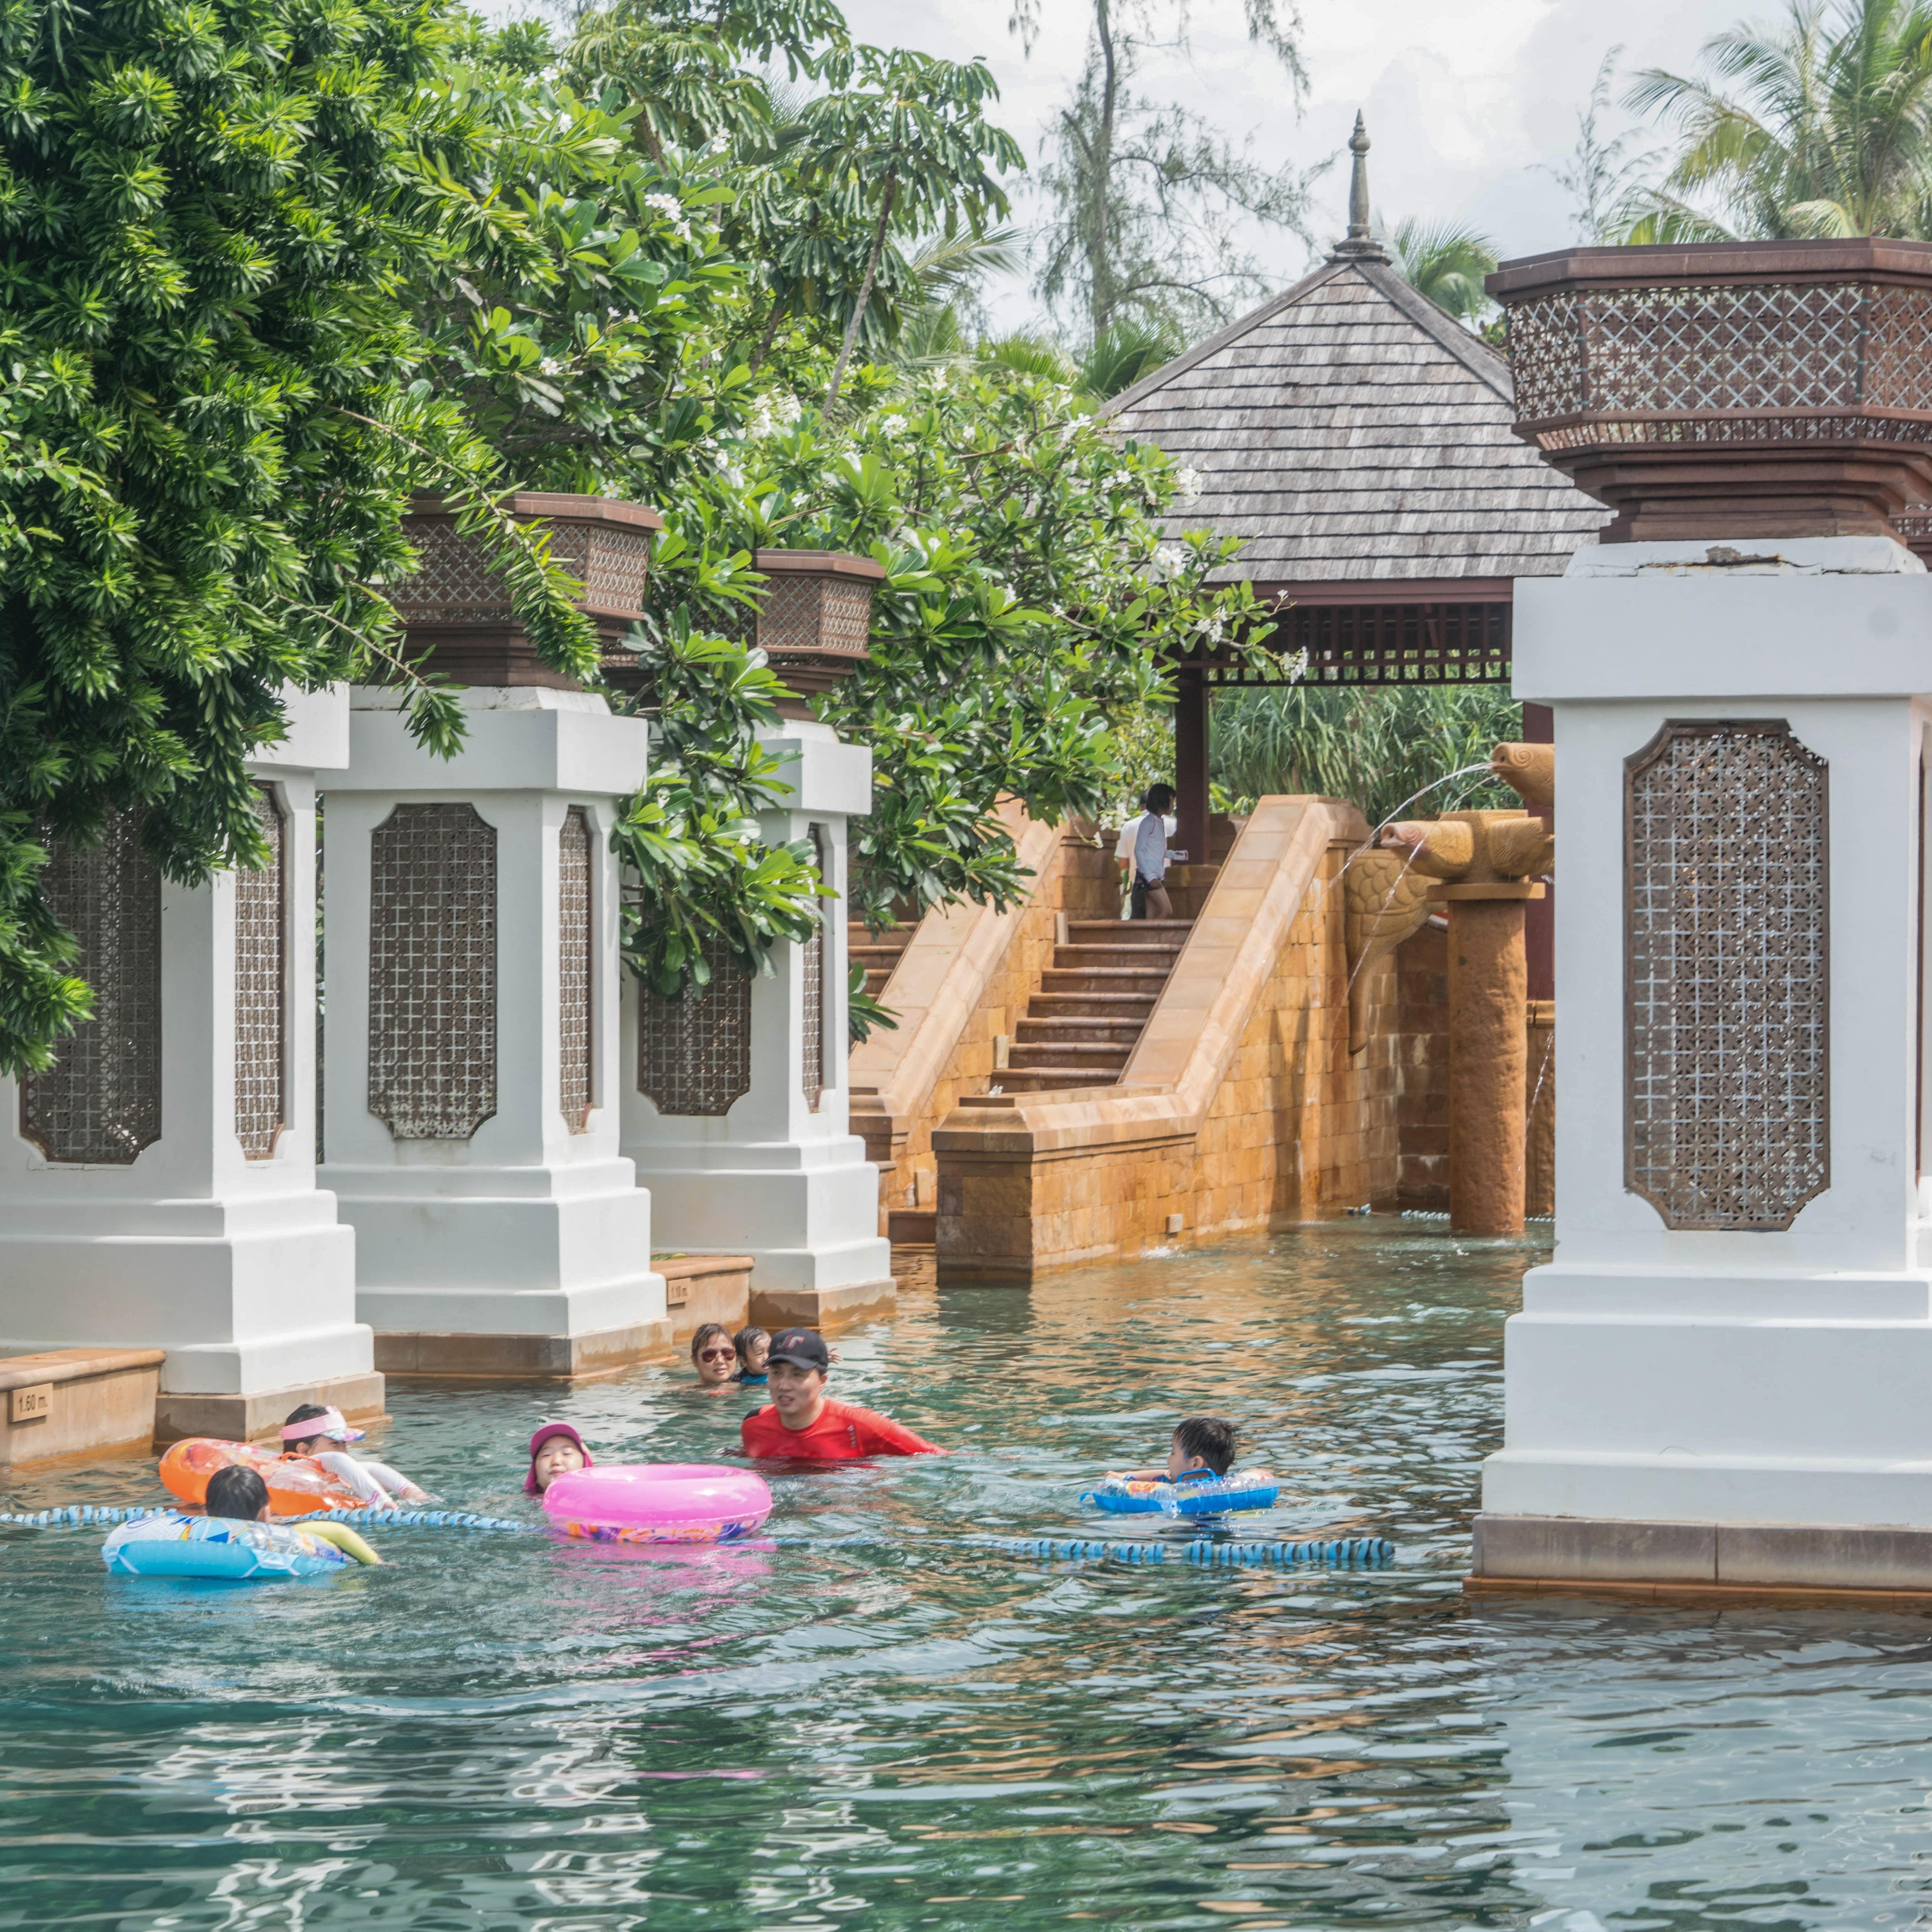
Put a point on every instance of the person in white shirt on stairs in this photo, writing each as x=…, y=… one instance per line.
x=1142, y=854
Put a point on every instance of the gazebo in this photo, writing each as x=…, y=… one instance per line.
x=1362, y=442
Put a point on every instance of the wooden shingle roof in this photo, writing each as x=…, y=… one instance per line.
x=1351, y=432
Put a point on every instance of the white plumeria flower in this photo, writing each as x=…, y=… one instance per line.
x=892, y=425
x=550, y=366
x=1187, y=484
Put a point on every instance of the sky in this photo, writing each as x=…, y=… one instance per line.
x=1463, y=98
x=1467, y=101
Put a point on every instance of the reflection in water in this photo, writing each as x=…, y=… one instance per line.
x=497, y=1732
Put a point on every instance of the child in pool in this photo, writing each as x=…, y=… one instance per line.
x=319, y=1433
x=555, y=1449
x=1202, y=1451
x=241, y=1496
x=754, y=1347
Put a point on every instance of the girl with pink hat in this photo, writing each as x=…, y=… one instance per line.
x=555, y=1449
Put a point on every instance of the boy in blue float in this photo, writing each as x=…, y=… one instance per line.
x=1202, y=1451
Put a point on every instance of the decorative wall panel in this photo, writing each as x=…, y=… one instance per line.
x=1727, y=932
x=432, y=972
x=261, y=989
x=576, y=949
x=100, y=1102
x=694, y=1054
x=812, y=965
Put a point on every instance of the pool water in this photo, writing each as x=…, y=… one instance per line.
x=500, y=1732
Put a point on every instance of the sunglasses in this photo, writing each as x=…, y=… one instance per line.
x=718, y=1354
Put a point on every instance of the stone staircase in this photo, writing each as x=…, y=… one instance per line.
x=1080, y=1027
x=1094, y=999
x=878, y=952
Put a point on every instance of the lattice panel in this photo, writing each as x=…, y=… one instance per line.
x=453, y=582
x=1727, y=1102
x=261, y=989
x=432, y=972
x=694, y=1054
x=811, y=964
x=100, y=1102
x=576, y=949
x=1815, y=346
x=1390, y=643
x=613, y=564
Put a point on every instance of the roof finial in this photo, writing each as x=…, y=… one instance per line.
x=1360, y=244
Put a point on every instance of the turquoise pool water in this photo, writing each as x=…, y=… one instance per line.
x=499, y=1732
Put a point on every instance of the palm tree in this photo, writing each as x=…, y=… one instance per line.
x=1446, y=262
x=1125, y=351
x=1821, y=125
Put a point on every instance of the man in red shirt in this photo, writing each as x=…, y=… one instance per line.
x=800, y=1422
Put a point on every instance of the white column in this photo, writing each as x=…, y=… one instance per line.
x=779, y=1175
x=1674, y=1390
x=496, y=1235
x=214, y=1242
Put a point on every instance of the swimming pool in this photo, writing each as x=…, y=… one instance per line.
x=499, y=1732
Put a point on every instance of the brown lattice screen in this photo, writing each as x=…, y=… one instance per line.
x=1387, y=643
x=261, y=988
x=1727, y=1107
x=811, y=964
x=575, y=950
x=694, y=1054
x=432, y=972
x=1679, y=350
x=100, y=1102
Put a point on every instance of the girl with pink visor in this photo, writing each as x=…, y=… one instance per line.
x=320, y=1434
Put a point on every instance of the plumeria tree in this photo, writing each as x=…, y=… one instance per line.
x=212, y=421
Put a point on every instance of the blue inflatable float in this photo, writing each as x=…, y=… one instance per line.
x=218, y=1548
x=1133, y=1496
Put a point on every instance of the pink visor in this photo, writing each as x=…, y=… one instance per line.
x=329, y=1422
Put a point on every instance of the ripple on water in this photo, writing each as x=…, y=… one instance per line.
x=498, y=1733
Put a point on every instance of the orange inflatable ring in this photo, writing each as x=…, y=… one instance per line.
x=297, y=1485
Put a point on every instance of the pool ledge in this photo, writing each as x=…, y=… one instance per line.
x=1702, y=1562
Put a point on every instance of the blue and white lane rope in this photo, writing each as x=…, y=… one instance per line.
x=1354, y=1552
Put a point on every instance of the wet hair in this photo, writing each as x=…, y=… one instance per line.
x=1157, y=798
x=743, y=1339
x=237, y=1492
x=705, y=1330
x=308, y=1412
x=1210, y=1437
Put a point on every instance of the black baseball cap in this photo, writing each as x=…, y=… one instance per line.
x=801, y=1348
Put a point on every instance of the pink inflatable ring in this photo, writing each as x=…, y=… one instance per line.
x=657, y=1502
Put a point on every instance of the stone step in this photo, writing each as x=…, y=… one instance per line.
x=1034, y=1030
x=1049, y=1079
x=1101, y=979
x=1129, y=931
x=1108, y=1058
x=1132, y=958
x=1135, y=1007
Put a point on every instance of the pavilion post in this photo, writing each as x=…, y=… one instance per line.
x=1190, y=765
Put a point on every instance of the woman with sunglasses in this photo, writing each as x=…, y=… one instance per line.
x=715, y=1356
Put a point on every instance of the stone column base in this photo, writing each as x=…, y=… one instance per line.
x=460, y=1357
x=700, y=1289
x=77, y=1405
x=1702, y=1562
x=776, y=1308
x=240, y=1418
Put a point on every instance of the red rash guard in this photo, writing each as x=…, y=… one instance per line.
x=842, y=1431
